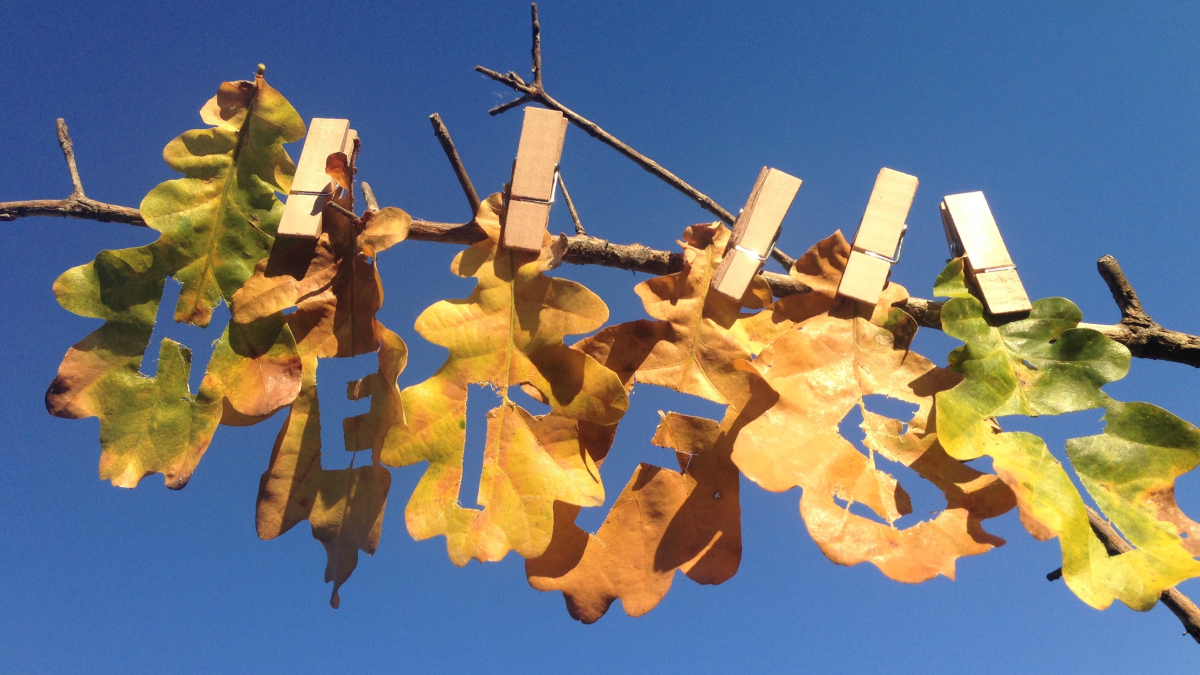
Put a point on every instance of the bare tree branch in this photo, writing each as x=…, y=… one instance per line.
x=570, y=205
x=782, y=258
x=538, y=95
x=68, y=148
x=369, y=196
x=443, y=136
x=505, y=107
x=76, y=205
x=537, y=47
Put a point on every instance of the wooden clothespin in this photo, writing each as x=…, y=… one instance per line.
x=879, y=238
x=971, y=232
x=534, y=174
x=755, y=231
x=312, y=187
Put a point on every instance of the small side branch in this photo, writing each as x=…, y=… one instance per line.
x=1144, y=336
x=536, y=94
x=782, y=258
x=537, y=47
x=68, y=149
x=76, y=205
x=443, y=136
x=1122, y=292
x=570, y=205
x=369, y=196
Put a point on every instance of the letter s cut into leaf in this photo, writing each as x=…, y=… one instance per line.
x=813, y=376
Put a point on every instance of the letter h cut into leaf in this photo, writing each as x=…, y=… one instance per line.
x=509, y=332
x=215, y=223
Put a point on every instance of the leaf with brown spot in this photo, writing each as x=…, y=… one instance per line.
x=812, y=377
x=663, y=521
x=507, y=333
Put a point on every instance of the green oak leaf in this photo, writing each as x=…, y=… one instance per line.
x=1041, y=364
x=215, y=224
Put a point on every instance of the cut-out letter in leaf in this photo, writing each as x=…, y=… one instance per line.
x=508, y=333
x=662, y=521
x=215, y=223
x=811, y=377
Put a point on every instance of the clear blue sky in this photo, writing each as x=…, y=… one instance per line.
x=1079, y=121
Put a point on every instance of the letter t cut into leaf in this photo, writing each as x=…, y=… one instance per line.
x=508, y=333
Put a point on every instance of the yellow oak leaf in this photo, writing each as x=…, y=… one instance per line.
x=508, y=332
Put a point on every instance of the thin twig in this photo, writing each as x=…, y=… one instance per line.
x=782, y=258
x=504, y=107
x=537, y=47
x=1144, y=337
x=76, y=205
x=369, y=196
x=592, y=129
x=570, y=204
x=68, y=149
x=1122, y=292
x=344, y=211
x=443, y=136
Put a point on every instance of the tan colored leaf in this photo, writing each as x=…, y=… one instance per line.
x=332, y=282
x=345, y=506
x=662, y=521
x=699, y=335
x=812, y=377
x=507, y=333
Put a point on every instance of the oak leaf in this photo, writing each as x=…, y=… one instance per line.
x=812, y=376
x=215, y=223
x=332, y=282
x=1043, y=364
x=694, y=348
x=344, y=506
x=507, y=333
x=698, y=334
x=662, y=521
